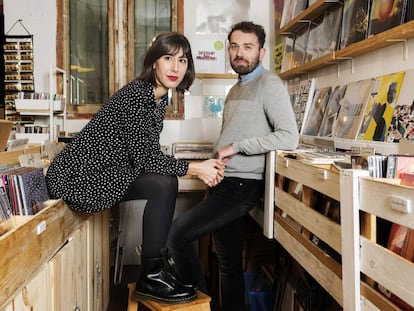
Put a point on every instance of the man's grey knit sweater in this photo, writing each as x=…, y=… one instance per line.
x=257, y=118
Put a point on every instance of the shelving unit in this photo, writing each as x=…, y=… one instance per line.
x=50, y=109
x=279, y=203
x=18, y=66
x=390, y=37
x=376, y=198
x=56, y=259
x=354, y=238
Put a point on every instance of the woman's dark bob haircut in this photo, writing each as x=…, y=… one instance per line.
x=168, y=43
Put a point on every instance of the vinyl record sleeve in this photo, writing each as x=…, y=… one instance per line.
x=331, y=27
x=351, y=110
x=315, y=33
x=331, y=111
x=386, y=14
x=354, y=21
x=378, y=112
x=288, y=46
x=402, y=120
x=299, y=49
x=316, y=111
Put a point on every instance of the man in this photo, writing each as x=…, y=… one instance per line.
x=257, y=118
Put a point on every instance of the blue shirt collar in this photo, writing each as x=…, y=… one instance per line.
x=252, y=74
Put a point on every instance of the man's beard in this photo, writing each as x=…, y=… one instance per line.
x=244, y=69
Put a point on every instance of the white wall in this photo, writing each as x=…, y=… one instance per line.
x=39, y=17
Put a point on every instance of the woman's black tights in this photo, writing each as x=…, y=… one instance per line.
x=160, y=191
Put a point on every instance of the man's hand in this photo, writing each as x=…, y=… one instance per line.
x=225, y=153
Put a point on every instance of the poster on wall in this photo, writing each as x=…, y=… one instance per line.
x=217, y=16
x=209, y=55
x=209, y=27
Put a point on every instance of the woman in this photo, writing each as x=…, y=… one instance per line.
x=117, y=157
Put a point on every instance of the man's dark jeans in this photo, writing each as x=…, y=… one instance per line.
x=221, y=213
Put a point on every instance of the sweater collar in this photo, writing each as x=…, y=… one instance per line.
x=252, y=74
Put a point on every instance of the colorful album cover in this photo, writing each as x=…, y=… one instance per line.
x=331, y=27
x=299, y=48
x=386, y=14
x=380, y=107
x=354, y=21
x=316, y=111
x=331, y=111
x=351, y=110
x=402, y=120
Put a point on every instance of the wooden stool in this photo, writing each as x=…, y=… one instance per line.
x=201, y=303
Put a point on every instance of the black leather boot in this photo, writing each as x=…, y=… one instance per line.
x=170, y=264
x=155, y=282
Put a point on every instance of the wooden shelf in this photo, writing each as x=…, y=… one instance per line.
x=307, y=15
x=390, y=37
x=32, y=243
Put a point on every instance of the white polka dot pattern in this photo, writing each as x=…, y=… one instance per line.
x=121, y=141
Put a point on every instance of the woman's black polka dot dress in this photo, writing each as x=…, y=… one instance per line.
x=121, y=141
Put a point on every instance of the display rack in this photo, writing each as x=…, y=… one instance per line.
x=51, y=108
x=396, y=35
x=18, y=76
x=361, y=200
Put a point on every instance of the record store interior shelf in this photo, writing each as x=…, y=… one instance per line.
x=396, y=35
x=293, y=215
x=55, y=259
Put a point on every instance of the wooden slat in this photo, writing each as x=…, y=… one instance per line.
x=322, y=268
x=269, y=194
x=375, y=196
x=308, y=67
x=324, y=228
x=322, y=180
x=388, y=269
x=375, y=298
x=28, y=249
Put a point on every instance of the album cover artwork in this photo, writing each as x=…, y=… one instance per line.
x=331, y=27
x=380, y=107
x=316, y=111
x=409, y=12
x=301, y=99
x=402, y=120
x=386, y=14
x=315, y=33
x=288, y=8
x=286, y=63
x=299, y=48
x=331, y=111
x=354, y=21
x=351, y=110
x=300, y=6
